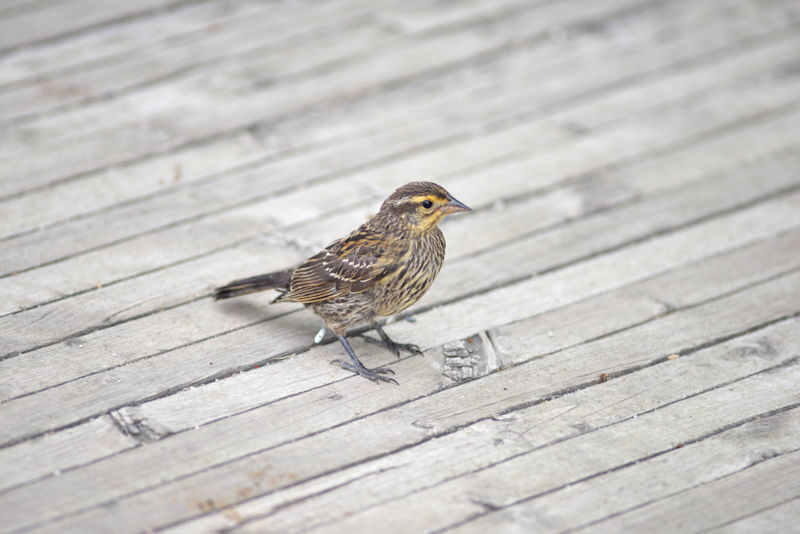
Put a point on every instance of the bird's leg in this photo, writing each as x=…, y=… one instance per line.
x=376, y=375
x=386, y=342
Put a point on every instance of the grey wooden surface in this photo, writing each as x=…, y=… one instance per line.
x=613, y=344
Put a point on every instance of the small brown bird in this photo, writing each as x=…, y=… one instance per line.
x=380, y=269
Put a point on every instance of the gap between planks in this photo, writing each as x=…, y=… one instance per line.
x=441, y=296
x=702, y=312
x=174, y=223
x=440, y=434
x=573, y=70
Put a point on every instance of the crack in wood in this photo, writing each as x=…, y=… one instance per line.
x=131, y=422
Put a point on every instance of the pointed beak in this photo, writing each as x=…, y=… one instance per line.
x=454, y=206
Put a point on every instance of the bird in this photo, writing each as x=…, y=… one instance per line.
x=378, y=270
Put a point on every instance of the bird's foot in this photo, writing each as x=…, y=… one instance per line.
x=376, y=374
x=391, y=345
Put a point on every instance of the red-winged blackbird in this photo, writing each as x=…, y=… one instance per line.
x=380, y=269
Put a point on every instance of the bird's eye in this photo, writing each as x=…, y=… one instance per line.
x=427, y=204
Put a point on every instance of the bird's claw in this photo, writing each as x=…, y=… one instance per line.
x=392, y=346
x=411, y=348
x=376, y=374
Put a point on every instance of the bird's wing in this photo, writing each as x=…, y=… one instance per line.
x=350, y=265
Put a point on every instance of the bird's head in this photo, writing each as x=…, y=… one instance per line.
x=420, y=205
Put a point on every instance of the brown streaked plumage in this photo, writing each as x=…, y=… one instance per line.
x=380, y=269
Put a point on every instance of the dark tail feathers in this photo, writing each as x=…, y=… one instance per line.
x=279, y=280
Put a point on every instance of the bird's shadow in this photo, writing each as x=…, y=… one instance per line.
x=254, y=312
x=251, y=311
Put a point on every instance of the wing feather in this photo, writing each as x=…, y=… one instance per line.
x=351, y=265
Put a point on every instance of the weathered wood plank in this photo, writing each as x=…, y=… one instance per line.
x=248, y=106
x=702, y=462
x=589, y=454
x=688, y=286
x=282, y=466
x=50, y=454
x=699, y=462
x=218, y=121
x=649, y=61
x=659, y=15
x=476, y=313
x=771, y=482
x=780, y=518
x=188, y=36
x=422, y=17
x=101, y=352
x=595, y=232
x=19, y=6
x=584, y=154
x=630, y=306
x=115, y=347
x=154, y=175
x=494, y=393
x=68, y=16
x=171, y=111
x=87, y=50
x=263, y=35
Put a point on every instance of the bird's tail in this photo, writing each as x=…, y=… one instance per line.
x=277, y=280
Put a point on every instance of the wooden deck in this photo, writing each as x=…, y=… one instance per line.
x=613, y=344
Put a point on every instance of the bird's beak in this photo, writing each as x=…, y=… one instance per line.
x=454, y=206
